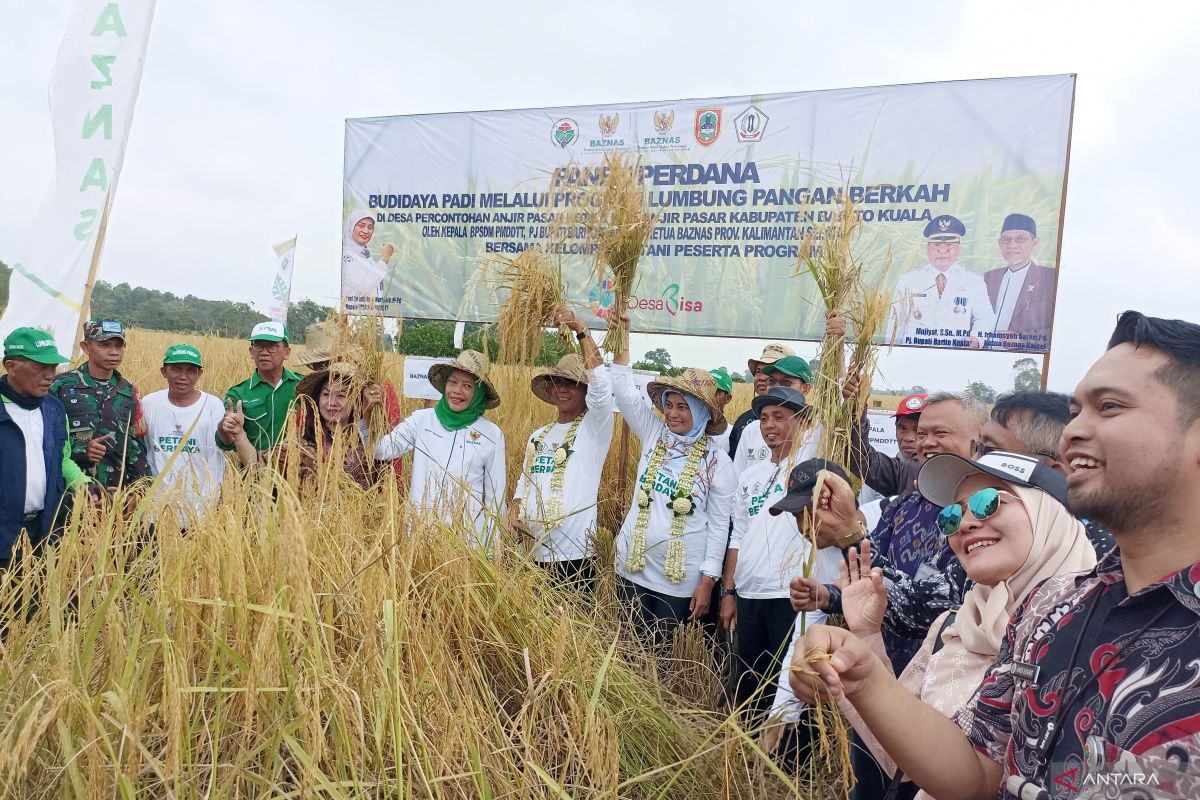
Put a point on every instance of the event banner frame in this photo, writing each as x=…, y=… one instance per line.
x=960, y=187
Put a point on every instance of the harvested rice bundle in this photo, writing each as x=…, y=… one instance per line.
x=535, y=293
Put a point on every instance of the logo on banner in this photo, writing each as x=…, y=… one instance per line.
x=669, y=300
x=664, y=121
x=608, y=123
x=601, y=297
x=751, y=124
x=565, y=132
x=708, y=125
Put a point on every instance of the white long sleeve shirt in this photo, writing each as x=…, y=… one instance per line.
x=569, y=539
x=706, y=530
x=771, y=549
x=921, y=316
x=449, y=466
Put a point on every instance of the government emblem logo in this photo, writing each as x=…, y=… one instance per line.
x=708, y=126
x=664, y=121
x=565, y=132
x=608, y=123
x=943, y=225
x=751, y=124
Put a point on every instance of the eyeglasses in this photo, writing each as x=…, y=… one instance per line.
x=268, y=347
x=983, y=504
x=1016, y=239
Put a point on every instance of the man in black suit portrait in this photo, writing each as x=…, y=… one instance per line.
x=1022, y=292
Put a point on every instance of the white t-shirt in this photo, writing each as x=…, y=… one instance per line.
x=706, y=529
x=771, y=549
x=191, y=483
x=570, y=539
x=752, y=447
x=448, y=465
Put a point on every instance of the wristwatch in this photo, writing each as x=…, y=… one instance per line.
x=854, y=537
x=583, y=334
x=728, y=592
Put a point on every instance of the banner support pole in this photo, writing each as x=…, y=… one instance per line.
x=85, y=307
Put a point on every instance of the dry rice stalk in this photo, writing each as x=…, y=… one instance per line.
x=535, y=292
x=619, y=223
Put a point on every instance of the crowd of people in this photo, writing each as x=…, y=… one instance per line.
x=1020, y=585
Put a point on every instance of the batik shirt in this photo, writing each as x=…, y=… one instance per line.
x=1118, y=677
x=99, y=407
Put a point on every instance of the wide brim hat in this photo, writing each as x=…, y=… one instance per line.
x=470, y=361
x=700, y=385
x=570, y=367
x=310, y=385
x=770, y=354
x=321, y=344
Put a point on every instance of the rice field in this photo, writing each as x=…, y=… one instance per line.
x=319, y=640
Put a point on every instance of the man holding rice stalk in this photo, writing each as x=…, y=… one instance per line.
x=672, y=542
x=555, y=499
x=458, y=466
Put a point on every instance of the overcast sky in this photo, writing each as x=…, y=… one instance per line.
x=237, y=138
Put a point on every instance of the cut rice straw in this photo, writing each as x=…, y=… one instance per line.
x=535, y=293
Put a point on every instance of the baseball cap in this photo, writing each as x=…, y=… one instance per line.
x=795, y=366
x=723, y=378
x=271, y=331
x=911, y=405
x=33, y=344
x=940, y=476
x=779, y=396
x=99, y=330
x=770, y=354
x=182, y=354
x=802, y=481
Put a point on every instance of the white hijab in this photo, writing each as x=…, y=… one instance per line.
x=350, y=246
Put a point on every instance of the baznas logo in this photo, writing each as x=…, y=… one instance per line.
x=708, y=125
x=608, y=123
x=565, y=132
x=750, y=125
x=664, y=121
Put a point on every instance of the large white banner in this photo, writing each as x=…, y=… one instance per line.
x=279, y=297
x=961, y=182
x=93, y=90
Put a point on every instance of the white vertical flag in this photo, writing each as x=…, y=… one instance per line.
x=93, y=90
x=280, y=296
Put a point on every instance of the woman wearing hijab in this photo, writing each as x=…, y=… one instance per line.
x=362, y=276
x=457, y=454
x=328, y=402
x=672, y=544
x=1004, y=518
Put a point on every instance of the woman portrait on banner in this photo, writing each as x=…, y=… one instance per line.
x=329, y=403
x=1010, y=531
x=671, y=547
x=363, y=278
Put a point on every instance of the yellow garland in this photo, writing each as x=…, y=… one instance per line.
x=553, y=506
x=680, y=505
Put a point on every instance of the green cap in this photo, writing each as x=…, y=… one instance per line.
x=33, y=344
x=270, y=332
x=182, y=354
x=795, y=366
x=723, y=379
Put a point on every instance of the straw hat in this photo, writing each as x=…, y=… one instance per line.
x=310, y=385
x=321, y=340
x=700, y=385
x=470, y=361
x=570, y=367
x=770, y=354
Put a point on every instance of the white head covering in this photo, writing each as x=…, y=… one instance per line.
x=349, y=245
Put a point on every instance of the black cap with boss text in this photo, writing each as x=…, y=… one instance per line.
x=801, y=483
x=940, y=476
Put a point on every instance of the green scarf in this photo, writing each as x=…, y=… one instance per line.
x=457, y=420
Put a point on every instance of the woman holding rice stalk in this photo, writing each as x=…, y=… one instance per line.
x=672, y=543
x=457, y=454
x=362, y=276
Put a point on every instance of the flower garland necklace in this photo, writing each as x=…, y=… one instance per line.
x=554, y=504
x=680, y=504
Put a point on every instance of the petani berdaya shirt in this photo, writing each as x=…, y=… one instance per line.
x=182, y=446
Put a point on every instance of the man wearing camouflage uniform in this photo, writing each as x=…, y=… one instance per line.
x=104, y=414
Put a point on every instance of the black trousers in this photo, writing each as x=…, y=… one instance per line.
x=655, y=615
x=764, y=628
x=578, y=573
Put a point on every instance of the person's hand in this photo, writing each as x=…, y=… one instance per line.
x=619, y=323
x=807, y=594
x=386, y=251
x=830, y=663
x=728, y=612
x=372, y=398
x=97, y=447
x=850, y=387
x=701, y=598
x=96, y=496
x=234, y=421
x=864, y=598
x=516, y=517
x=565, y=316
x=835, y=324
x=768, y=740
x=837, y=509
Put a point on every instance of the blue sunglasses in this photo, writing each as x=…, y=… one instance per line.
x=982, y=504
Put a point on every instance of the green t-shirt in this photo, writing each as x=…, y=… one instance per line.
x=265, y=406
